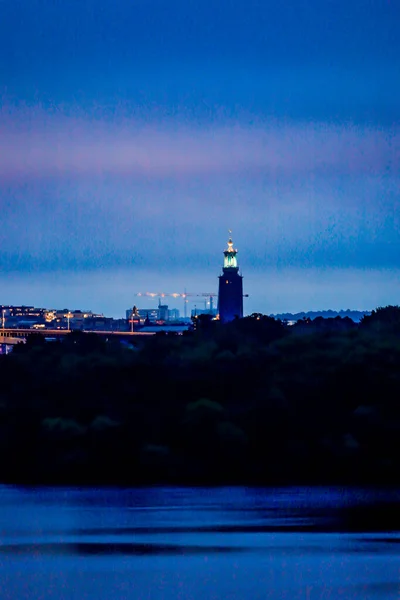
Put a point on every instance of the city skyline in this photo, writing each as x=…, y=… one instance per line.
x=133, y=135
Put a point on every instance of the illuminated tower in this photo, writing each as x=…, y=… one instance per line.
x=230, y=294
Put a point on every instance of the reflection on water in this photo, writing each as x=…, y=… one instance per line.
x=182, y=544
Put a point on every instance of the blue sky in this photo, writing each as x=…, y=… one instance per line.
x=133, y=134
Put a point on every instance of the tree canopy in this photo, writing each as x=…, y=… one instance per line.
x=251, y=401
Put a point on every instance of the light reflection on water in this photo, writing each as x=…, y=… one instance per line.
x=164, y=543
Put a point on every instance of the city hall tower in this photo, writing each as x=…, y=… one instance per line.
x=230, y=293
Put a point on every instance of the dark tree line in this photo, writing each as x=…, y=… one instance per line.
x=253, y=401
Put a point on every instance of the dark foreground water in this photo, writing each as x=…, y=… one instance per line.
x=195, y=544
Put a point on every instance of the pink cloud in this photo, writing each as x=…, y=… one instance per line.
x=35, y=145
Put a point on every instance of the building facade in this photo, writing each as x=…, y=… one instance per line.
x=161, y=313
x=230, y=292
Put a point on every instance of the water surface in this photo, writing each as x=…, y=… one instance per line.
x=161, y=543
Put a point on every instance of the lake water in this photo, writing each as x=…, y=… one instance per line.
x=159, y=543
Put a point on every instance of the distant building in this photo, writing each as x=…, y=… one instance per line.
x=23, y=311
x=230, y=296
x=163, y=312
x=22, y=316
x=152, y=315
x=100, y=323
x=70, y=319
x=146, y=313
x=173, y=314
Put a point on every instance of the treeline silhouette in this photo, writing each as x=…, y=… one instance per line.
x=252, y=401
x=355, y=315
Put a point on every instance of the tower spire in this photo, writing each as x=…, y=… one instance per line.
x=230, y=261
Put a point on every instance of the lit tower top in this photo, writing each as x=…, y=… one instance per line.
x=230, y=260
x=230, y=289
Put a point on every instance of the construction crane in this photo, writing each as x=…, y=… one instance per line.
x=183, y=295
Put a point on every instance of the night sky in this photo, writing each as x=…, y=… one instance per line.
x=135, y=133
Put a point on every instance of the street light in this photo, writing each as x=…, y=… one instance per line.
x=69, y=315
